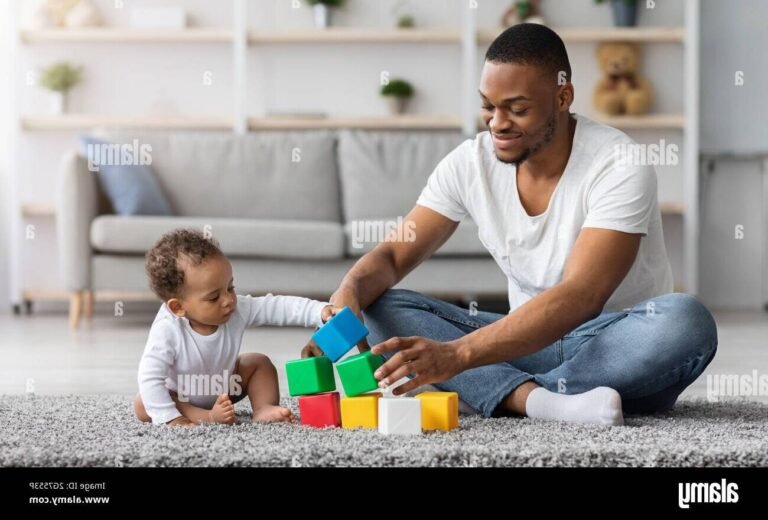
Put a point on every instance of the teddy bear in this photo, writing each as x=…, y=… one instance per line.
x=63, y=13
x=621, y=90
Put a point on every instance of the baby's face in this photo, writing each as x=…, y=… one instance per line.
x=209, y=294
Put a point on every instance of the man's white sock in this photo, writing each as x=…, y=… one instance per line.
x=601, y=405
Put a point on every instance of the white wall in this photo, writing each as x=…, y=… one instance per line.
x=734, y=40
x=5, y=188
x=338, y=79
x=734, y=235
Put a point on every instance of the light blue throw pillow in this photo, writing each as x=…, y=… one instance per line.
x=125, y=176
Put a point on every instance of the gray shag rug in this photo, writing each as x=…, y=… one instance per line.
x=101, y=431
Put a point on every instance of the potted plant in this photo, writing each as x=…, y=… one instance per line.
x=60, y=78
x=624, y=12
x=403, y=19
x=397, y=92
x=322, y=10
x=406, y=22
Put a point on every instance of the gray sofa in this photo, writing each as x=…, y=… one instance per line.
x=283, y=205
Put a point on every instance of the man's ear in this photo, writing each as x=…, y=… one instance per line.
x=565, y=97
x=174, y=304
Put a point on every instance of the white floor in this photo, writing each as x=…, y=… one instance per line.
x=39, y=352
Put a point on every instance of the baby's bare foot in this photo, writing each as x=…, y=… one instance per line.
x=223, y=411
x=271, y=413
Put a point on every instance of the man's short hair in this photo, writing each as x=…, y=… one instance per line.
x=531, y=44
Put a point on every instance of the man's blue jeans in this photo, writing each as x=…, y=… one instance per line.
x=649, y=353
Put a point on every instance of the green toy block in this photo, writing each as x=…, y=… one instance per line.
x=310, y=376
x=356, y=373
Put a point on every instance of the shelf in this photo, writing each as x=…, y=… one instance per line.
x=84, y=122
x=405, y=122
x=37, y=210
x=336, y=35
x=652, y=121
x=356, y=35
x=605, y=34
x=127, y=35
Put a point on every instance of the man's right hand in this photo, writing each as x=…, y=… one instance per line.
x=181, y=421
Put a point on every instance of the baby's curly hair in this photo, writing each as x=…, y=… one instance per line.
x=163, y=261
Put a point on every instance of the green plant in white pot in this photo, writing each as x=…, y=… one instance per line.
x=323, y=11
x=397, y=92
x=624, y=12
x=60, y=78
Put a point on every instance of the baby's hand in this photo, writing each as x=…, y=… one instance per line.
x=223, y=411
x=311, y=350
x=328, y=312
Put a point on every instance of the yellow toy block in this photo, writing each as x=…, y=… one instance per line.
x=361, y=411
x=439, y=410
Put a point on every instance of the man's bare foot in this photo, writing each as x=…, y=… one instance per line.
x=272, y=413
x=223, y=411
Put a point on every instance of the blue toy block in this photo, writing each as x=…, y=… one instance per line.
x=340, y=334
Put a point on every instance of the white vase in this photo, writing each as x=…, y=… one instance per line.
x=322, y=14
x=59, y=103
x=397, y=105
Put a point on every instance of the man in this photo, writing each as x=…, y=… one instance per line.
x=593, y=329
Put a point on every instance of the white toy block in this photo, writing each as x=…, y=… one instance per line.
x=399, y=416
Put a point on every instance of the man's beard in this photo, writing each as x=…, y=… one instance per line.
x=545, y=136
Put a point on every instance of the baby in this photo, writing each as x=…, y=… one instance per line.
x=192, y=370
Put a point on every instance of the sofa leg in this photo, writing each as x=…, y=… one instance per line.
x=88, y=304
x=75, y=305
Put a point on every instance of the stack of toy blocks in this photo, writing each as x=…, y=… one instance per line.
x=311, y=379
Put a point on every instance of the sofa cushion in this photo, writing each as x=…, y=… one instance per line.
x=363, y=235
x=289, y=239
x=130, y=185
x=383, y=172
x=263, y=175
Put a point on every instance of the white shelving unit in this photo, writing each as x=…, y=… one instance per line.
x=122, y=36
x=84, y=122
x=468, y=37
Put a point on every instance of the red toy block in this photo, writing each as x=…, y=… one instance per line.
x=320, y=410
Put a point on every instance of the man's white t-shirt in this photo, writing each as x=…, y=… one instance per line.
x=597, y=189
x=177, y=354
